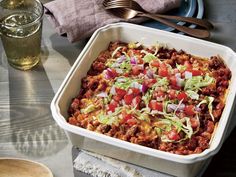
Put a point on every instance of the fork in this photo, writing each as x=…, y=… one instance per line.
x=110, y=4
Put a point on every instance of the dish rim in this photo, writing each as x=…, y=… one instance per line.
x=186, y=159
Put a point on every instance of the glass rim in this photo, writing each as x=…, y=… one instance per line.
x=31, y=23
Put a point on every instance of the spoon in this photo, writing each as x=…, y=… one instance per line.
x=128, y=13
x=12, y=167
x=135, y=6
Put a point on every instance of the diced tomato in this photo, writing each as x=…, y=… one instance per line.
x=154, y=105
x=195, y=72
x=150, y=82
x=112, y=106
x=159, y=93
x=120, y=92
x=155, y=63
x=188, y=65
x=126, y=74
x=176, y=70
x=126, y=117
x=117, y=98
x=132, y=122
x=182, y=96
x=137, y=69
x=136, y=101
x=189, y=110
x=173, y=82
x=145, y=71
x=73, y=121
x=135, y=91
x=194, y=122
x=172, y=94
x=173, y=135
x=128, y=99
x=163, y=72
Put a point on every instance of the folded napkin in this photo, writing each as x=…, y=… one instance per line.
x=78, y=19
x=101, y=166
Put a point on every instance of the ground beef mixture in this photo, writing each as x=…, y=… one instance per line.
x=153, y=96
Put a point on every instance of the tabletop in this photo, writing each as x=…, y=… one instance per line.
x=27, y=128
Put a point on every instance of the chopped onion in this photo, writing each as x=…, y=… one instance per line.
x=178, y=75
x=121, y=59
x=115, y=65
x=181, y=107
x=102, y=94
x=180, y=82
x=135, y=85
x=118, y=70
x=173, y=107
x=160, y=98
x=113, y=90
x=120, y=79
x=144, y=88
x=109, y=74
x=141, y=66
x=198, y=109
x=150, y=74
x=188, y=75
x=133, y=61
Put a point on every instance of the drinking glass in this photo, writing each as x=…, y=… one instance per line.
x=21, y=31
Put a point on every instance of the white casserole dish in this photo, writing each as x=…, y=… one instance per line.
x=177, y=165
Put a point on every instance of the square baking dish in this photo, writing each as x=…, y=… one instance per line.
x=177, y=165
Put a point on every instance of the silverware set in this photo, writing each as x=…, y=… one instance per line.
x=128, y=9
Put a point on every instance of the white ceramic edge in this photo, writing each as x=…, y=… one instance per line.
x=123, y=144
x=31, y=161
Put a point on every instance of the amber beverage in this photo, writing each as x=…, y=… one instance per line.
x=21, y=31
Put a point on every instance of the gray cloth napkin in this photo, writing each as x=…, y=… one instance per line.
x=100, y=166
x=78, y=19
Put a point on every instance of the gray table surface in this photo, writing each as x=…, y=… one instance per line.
x=27, y=129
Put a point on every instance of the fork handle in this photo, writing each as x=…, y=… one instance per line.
x=200, y=33
x=200, y=22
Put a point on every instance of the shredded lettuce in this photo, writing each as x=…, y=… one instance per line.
x=196, y=82
x=139, y=114
x=111, y=118
x=208, y=100
x=162, y=82
x=183, y=125
x=187, y=129
x=133, y=45
x=158, y=131
x=181, y=68
x=202, y=102
x=157, y=47
x=147, y=97
x=126, y=82
x=192, y=94
x=110, y=62
x=149, y=57
x=88, y=109
x=115, y=51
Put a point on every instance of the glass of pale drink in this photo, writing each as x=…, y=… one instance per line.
x=21, y=31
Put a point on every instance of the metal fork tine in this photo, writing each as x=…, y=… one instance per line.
x=109, y=4
x=117, y=3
